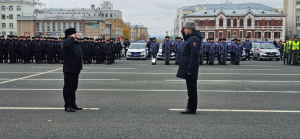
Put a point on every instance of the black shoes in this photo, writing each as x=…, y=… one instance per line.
x=69, y=110
x=76, y=108
x=188, y=111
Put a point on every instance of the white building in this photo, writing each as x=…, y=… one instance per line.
x=10, y=10
x=185, y=10
x=292, y=9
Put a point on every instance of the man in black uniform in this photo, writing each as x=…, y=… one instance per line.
x=109, y=52
x=148, y=46
x=126, y=46
x=97, y=51
x=11, y=49
x=18, y=49
x=85, y=51
x=5, y=49
x=71, y=68
x=102, y=51
x=50, y=50
x=30, y=50
x=24, y=49
x=118, y=49
x=1, y=50
x=38, y=50
x=112, y=43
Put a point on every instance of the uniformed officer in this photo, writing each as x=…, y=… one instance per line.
x=206, y=50
x=154, y=48
x=238, y=52
x=285, y=50
x=118, y=49
x=178, y=48
x=109, y=52
x=217, y=51
x=212, y=51
x=71, y=68
x=223, y=50
x=248, y=46
x=24, y=49
x=148, y=48
x=202, y=52
x=280, y=48
x=126, y=46
x=50, y=50
x=85, y=50
x=97, y=51
x=38, y=50
x=1, y=50
x=31, y=49
x=102, y=51
x=167, y=48
x=289, y=44
x=189, y=64
x=232, y=51
x=5, y=49
x=295, y=51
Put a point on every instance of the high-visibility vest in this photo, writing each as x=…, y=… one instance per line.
x=295, y=46
x=290, y=45
x=283, y=47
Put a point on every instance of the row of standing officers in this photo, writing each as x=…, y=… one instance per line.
x=22, y=49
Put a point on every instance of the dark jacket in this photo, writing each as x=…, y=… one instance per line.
x=72, y=56
x=189, y=57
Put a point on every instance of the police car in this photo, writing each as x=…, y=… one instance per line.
x=160, y=55
x=265, y=51
x=137, y=51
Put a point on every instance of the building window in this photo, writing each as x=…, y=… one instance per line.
x=235, y=22
x=257, y=35
x=268, y=35
x=11, y=25
x=221, y=23
x=115, y=15
x=111, y=15
x=70, y=25
x=297, y=18
x=212, y=23
x=58, y=26
x=106, y=15
x=202, y=23
x=257, y=22
x=18, y=15
x=53, y=27
x=203, y=34
x=11, y=8
x=11, y=33
x=277, y=35
x=103, y=15
x=64, y=26
x=228, y=23
x=43, y=27
x=235, y=33
x=220, y=35
x=2, y=8
x=241, y=34
x=11, y=16
x=228, y=34
x=3, y=33
x=277, y=22
x=3, y=16
x=298, y=3
x=37, y=27
x=18, y=8
x=249, y=34
x=268, y=22
x=249, y=22
x=58, y=13
x=80, y=26
x=297, y=10
x=48, y=27
x=3, y=25
x=211, y=35
x=241, y=22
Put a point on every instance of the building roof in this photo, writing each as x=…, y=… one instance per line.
x=137, y=26
x=233, y=12
x=229, y=6
x=59, y=17
x=15, y=1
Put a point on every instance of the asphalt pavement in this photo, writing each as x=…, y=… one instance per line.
x=134, y=99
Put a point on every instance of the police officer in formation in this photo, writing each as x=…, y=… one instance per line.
x=178, y=47
x=248, y=46
x=167, y=48
x=40, y=50
x=154, y=48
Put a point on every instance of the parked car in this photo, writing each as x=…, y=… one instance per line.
x=265, y=51
x=160, y=55
x=137, y=51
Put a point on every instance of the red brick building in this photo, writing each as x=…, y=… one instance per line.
x=256, y=24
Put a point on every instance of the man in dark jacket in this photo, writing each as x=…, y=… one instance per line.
x=71, y=68
x=189, y=64
x=154, y=48
x=118, y=49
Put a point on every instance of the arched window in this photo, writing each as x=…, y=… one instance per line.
x=249, y=22
x=228, y=23
x=235, y=22
x=221, y=22
x=241, y=22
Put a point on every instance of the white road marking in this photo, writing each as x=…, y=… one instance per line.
x=46, y=67
x=253, y=111
x=120, y=68
x=248, y=89
x=238, y=81
x=147, y=90
x=39, y=108
x=63, y=79
x=203, y=69
x=29, y=76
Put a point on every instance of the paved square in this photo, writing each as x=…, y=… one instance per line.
x=133, y=99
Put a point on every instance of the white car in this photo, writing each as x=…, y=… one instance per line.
x=265, y=51
x=137, y=51
x=160, y=55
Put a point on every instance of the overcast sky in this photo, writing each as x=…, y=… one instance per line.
x=157, y=15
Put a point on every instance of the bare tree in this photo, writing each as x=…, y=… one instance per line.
x=227, y=2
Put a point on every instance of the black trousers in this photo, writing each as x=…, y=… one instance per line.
x=1, y=57
x=50, y=57
x=38, y=55
x=70, y=87
x=25, y=56
x=192, y=94
x=12, y=56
